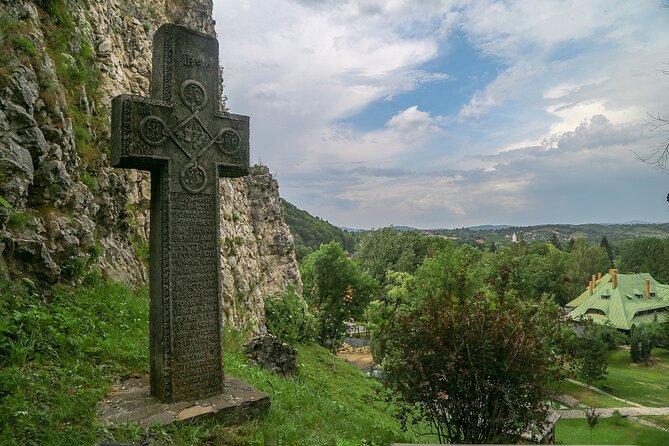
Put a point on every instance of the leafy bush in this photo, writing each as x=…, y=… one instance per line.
x=474, y=366
x=288, y=318
x=641, y=343
x=336, y=289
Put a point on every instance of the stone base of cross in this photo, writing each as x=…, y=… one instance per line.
x=179, y=135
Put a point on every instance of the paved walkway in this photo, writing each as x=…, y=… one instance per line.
x=608, y=411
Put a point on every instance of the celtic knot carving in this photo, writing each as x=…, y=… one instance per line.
x=191, y=135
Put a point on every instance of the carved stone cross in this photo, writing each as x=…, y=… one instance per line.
x=180, y=136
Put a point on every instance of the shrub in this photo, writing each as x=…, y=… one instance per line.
x=641, y=344
x=474, y=367
x=288, y=318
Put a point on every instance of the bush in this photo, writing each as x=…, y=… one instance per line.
x=288, y=319
x=474, y=367
x=641, y=344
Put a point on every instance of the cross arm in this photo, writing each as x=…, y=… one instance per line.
x=138, y=132
x=234, y=146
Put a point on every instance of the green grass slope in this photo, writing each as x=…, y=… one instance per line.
x=60, y=355
x=647, y=385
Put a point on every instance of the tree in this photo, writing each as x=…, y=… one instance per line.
x=336, y=290
x=604, y=243
x=591, y=364
x=584, y=261
x=641, y=343
x=645, y=255
x=391, y=250
x=287, y=318
x=555, y=241
x=472, y=363
x=592, y=418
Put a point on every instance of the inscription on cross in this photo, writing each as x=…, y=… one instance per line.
x=179, y=135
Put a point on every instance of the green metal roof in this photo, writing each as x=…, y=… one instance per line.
x=624, y=305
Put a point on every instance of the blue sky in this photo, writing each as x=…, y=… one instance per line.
x=448, y=113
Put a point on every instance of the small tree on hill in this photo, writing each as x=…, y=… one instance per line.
x=336, y=290
x=604, y=243
x=474, y=366
x=592, y=418
x=555, y=241
x=641, y=344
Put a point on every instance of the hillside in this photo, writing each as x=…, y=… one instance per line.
x=593, y=232
x=59, y=358
x=310, y=232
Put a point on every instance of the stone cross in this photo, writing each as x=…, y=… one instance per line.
x=182, y=138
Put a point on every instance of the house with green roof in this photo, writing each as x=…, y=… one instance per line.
x=622, y=299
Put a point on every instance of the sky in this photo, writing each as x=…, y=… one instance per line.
x=451, y=113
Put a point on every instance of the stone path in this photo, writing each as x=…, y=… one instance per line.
x=608, y=412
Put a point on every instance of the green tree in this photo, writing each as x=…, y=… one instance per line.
x=645, y=255
x=641, y=343
x=391, y=250
x=604, y=243
x=584, y=261
x=592, y=418
x=473, y=364
x=592, y=365
x=336, y=290
x=288, y=318
x=555, y=240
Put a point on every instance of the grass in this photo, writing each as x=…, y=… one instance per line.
x=661, y=420
x=609, y=431
x=585, y=396
x=647, y=385
x=60, y=354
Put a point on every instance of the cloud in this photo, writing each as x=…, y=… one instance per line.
x=550, y=137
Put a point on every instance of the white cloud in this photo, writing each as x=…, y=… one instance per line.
x=575, y=83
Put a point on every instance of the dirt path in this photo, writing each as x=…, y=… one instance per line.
x=360, y=357
x=363, y=361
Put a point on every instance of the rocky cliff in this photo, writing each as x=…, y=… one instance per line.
x=64, y=213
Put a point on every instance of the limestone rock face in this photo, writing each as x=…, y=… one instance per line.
x=64, y=210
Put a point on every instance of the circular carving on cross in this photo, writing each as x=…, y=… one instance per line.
x=193, y=178
x=228, y=141
x=152, y=130
x=193, y=94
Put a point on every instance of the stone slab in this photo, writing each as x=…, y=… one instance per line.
x=131, y=402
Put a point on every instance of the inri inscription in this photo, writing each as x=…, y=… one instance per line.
x=180, y=136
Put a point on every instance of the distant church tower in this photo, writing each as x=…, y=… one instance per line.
x=514, y=239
